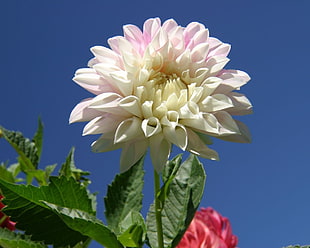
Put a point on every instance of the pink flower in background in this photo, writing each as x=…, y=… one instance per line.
x=208, y=229
x=5, y=221
x=160, y=86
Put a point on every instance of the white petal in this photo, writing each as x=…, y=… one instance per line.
x=183, y=61
x=228, y=124
x=143, y=76
x=194, y=33
x=130, y=56
x=172, y=102
x=122, y=82
x=198, y=147
x=106, y=55
x=133, y=34
x=160, y=41
x=171, y=119
x=212, y=124
x=147, y=109
x=128, y=129
x=176, y=135
x=151, y=126
x=242, y=105
x=196, y=94
x=199, y=52
x=161, y=110
x=210, y=85
x=102, y=124
x=150, y=28
x=109, y=103
x=214, y=42
x=81, y=112
x=232, y=80
x=221, y=50
x=216, y=102
x=169, y=25
x=91, y=82
x=189, y=111
x=244, y=137
x=92, y=79
x=201, y=124
x=132, y=105
x=216, y=64
x=182, y=98
x=105, y=143
x=160, y=151
x=114, y=43
x=131, y=153
x=85, y=71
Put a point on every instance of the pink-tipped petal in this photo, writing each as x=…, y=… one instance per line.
x=81, y=112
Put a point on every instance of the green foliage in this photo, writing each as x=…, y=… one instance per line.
x=10, y=239
x=9, y=173
x=124, y=195
x=38, y=139
x=68, y=169
x=179, y=201
x=87, y=225
x=29, y=153
x=61, y=212
x=171, y=168
x=25, y=148
x=133, y=230
x=36, y=219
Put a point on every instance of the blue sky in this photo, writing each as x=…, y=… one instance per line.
x=263, y=187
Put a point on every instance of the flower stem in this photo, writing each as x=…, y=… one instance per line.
x=158, y=211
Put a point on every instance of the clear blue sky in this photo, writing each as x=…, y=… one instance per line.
x=263, y=187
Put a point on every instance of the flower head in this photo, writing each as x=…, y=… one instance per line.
x=209, y=229
x=5, y=221
x=160, y=86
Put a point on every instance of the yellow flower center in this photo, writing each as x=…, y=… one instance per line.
x=167, y=85
x=161, y=93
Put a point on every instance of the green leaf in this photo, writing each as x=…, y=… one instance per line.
x=26, y=149
x=38, y=174
x=5, y=174
x=26, y=208
x=133, y=230
x=38, y=138
x=49, y=170
x=180, y=204
x=68, y=165
x=171, y=168
x=68, y=169
x=10, y=239
x=168, y=175
x=87, y=225
x=15, y=170
x=124, y=195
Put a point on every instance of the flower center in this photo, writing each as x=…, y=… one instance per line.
x=160, y=94
x=166, y=85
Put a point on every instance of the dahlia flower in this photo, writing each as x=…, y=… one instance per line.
x=5, y=221
x=208, y=229
x=160, y=86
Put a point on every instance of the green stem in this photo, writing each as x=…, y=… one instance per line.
x=158, y=211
